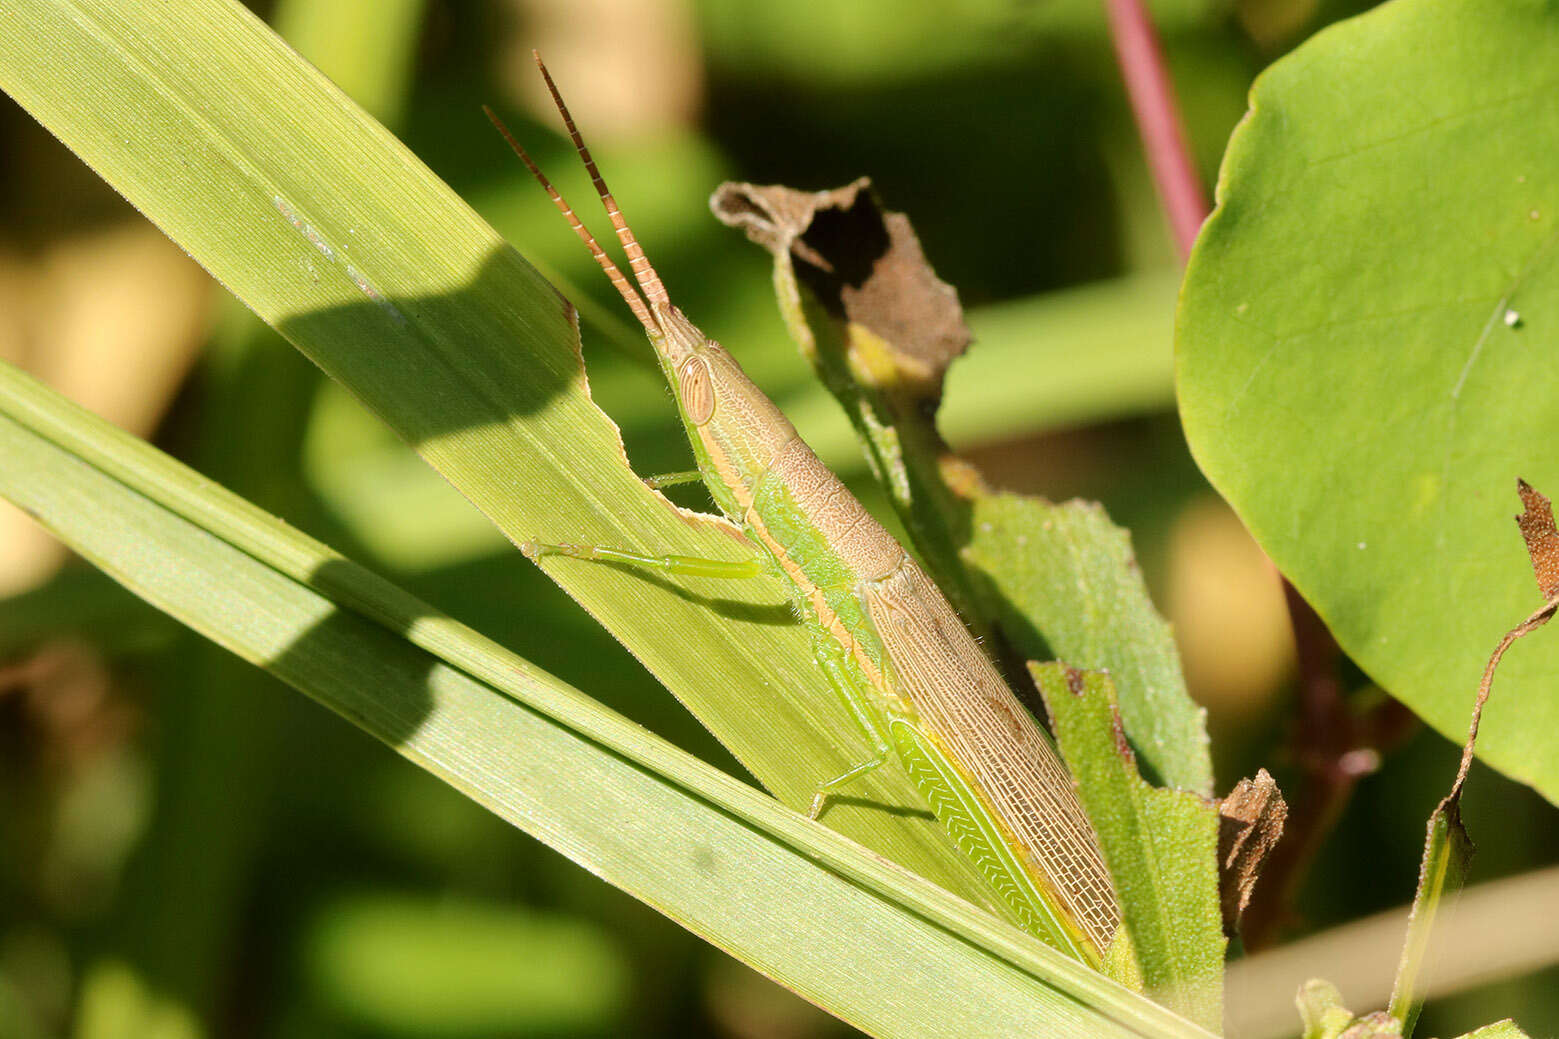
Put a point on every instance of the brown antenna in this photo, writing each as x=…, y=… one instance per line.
x=643, y=273
x=629, y=294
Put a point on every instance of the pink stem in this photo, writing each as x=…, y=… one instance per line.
x=1158, y=119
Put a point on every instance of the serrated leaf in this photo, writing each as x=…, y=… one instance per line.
x=1365, y=343
x=1161, y=846
x=1067, y=579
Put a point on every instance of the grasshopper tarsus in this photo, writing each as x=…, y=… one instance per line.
x=829, y=789
x=655, y=483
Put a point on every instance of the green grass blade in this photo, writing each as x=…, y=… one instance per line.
x=329, y=229
x=793, y=899
x=1441, y=876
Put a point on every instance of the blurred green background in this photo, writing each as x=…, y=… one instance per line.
x=188, y=848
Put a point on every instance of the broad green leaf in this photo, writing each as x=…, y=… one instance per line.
x=329, y=229
x=1366, y=341
x=1161, y=846
x=867, y=310
x=788, y=896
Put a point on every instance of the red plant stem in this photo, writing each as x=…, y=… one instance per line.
x=1157, y=113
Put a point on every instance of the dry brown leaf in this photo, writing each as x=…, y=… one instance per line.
x=1250, y=824
x=875, y=274
x=1537, y=529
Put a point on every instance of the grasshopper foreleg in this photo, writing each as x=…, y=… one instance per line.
x=655, y=483
x=863, y=710
x=686, y=566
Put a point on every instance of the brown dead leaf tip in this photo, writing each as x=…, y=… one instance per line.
x=1250, y=824
x=1542, y=540
x=863, y=263
x=773, y=215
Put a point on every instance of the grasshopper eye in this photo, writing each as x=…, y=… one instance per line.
x=696, y=388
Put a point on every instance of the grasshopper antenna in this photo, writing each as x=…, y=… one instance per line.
x=643, y=273
x=629, y=294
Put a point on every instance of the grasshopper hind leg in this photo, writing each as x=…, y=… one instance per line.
x=862, y=709
x=826, y=790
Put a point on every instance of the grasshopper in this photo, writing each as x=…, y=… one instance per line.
x=912, y=677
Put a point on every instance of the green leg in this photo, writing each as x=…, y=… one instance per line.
x=687, y=566
x=655, y=483
x=861, y=709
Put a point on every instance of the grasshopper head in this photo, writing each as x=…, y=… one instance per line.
x=679, y=338
x=731, y=416
x=708, y=382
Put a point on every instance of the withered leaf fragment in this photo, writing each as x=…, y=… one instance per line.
x=1537, y=529
x=864, y=264
x=1250, y=824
